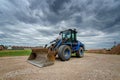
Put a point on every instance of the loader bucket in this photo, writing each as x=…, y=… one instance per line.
x=41, y=57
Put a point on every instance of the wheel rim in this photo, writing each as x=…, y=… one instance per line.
x=67, y=53
x=81, y=52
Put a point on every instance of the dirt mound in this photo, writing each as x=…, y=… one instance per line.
x=97, y=51
x=115, y=50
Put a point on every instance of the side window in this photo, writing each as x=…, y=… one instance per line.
x=63, y=36
x=69, y=35
x=73, y=37
x=66, y=35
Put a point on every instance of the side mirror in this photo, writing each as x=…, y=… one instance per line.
x=60, y=33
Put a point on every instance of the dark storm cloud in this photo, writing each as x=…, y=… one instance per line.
x=57, y=5
x=109, y=17
x=102, y=14
x=50, y=32
x=0, y=12
x=51, y=10
x=25, y=18
x=3, y=36
x=7, y=23
x=46, y=32
x=32, y=20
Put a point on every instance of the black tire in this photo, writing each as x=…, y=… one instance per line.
x=64, y=52
x=80, y=53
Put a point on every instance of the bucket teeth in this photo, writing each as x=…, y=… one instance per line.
x=41, y=57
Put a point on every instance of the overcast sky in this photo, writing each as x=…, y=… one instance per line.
x=36, y=22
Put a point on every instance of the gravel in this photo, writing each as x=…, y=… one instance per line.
x=91, y=67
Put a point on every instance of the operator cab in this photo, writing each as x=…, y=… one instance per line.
x=69, y=35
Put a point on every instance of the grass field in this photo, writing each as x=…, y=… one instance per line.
x=14, y=53
x=4, y=53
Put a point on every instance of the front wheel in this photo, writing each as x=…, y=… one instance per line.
x=64, y=52
x=80, y=52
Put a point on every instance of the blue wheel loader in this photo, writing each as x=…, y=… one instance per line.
x=65, y=45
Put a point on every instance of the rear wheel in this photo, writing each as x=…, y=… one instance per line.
x=80, y=52
x=64, y=52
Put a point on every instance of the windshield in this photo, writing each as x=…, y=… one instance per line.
x=66, y=34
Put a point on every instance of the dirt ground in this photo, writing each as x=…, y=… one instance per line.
x=91, y=67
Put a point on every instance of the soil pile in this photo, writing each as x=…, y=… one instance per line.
x=115, y=50
x=97, y=51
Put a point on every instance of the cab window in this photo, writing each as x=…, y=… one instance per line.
x=66, y=34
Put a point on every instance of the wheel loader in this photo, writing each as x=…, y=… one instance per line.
x=65, y=45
